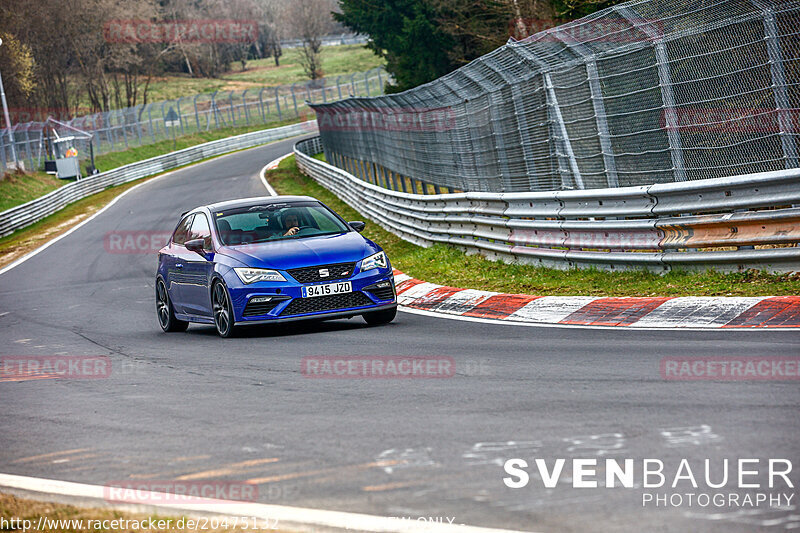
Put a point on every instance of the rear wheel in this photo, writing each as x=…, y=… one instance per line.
x=166, y=314
x=380, y=317
x=223, y=310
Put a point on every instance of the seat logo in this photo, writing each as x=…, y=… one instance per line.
x=323, y=273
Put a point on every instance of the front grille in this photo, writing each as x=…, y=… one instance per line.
x=300, y=306
x=385, y=293
x=312, y=274
x=260, y=308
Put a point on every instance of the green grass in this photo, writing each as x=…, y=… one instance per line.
x=336, y=61
x=16, y=188
x=447, y=266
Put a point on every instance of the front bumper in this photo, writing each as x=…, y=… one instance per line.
x=275, y=298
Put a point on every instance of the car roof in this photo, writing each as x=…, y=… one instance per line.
x=258, y=200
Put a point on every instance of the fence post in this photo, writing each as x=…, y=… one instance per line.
x=278, y=104
x=196, y=113
x=294, y=99
x=261, y=104
x=599, y=107
x=562, y=127
x=339, y=86
x=366, y=81
x=778, y=74
x=214, y=109
x=246, y=111
x=180, y=116
x=667, y=94
x=232, y=108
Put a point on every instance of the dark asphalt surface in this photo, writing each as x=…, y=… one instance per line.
x=192, y=403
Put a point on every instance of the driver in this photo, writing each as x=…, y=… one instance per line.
x=292, y=222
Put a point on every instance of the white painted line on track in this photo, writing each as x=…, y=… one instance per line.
x=280, y=515
x=270, y=166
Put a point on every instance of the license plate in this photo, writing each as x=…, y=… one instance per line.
x=329, y=288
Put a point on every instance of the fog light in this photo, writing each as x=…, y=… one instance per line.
x=260, y=299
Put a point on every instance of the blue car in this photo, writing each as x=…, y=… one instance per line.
x=269, y=260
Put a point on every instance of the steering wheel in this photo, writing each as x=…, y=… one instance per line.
x=301, y=228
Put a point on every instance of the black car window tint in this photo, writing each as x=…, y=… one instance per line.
x=179, y=237
x=200, y=230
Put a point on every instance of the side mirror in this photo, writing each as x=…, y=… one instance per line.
x=196, y=245
x=357, y=225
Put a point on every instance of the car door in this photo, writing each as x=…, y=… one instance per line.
x=174, y=263
x=197, y=270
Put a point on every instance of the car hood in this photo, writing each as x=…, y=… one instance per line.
x=308, y=251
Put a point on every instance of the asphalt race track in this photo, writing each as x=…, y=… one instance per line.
x=194, y=406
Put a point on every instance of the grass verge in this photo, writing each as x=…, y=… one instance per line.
x=16, y=188
x=71, y=519
x=447, y=266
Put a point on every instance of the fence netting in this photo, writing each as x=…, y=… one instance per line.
x=648, y=91
x=121, y=129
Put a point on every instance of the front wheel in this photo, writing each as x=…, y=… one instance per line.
x=380, y=317
x=166, y=314
x=223, y=310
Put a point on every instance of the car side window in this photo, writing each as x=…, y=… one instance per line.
x=200, y=230
x=179, y=237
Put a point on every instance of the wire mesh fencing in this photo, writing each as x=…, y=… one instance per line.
x=648, y=91
x=147, y=124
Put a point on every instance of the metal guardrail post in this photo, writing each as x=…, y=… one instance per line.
x=232, y=108
x=665, y=82
x=366, y=81
x=562, y=127
x=339, y=86
x=278, y=103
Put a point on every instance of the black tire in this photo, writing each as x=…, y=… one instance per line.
x=165, y=311
x=223, y=310
x=377, y=318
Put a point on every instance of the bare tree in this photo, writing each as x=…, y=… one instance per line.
x=311, y=21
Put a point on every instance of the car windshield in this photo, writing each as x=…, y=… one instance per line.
x=272, y=222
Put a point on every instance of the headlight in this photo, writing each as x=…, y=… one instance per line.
x=374, y=261
x=252, y=275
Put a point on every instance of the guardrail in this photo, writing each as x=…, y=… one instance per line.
x=730, y=223
x=35, y=210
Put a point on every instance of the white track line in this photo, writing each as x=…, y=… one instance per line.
x=280, y=515
x=270, y=166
